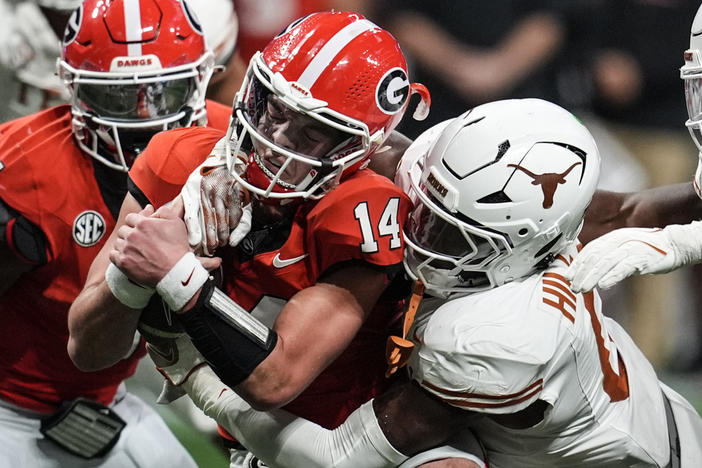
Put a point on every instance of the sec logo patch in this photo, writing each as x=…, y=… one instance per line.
x=88, y=228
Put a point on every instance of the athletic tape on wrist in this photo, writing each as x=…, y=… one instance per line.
x=182, y=281
x=134, y=296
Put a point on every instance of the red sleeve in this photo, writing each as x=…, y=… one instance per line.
x=162, y=169
x=218, y=115
x=362, y=219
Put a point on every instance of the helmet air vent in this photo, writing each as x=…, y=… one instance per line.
x=497, y=197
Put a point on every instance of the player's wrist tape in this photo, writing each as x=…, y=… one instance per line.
x=232, y=340
x=182, y=281
x=129, y=293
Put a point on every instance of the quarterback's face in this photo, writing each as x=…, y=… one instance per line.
x=296, y=132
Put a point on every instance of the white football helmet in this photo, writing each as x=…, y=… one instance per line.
x=220, y=25
x=498, y=192
x=691, y=73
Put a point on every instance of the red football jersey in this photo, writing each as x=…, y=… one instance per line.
x=50, y=181
x=359, y=220
x=46, y=177
x=217, y=114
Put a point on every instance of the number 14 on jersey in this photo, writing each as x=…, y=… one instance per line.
x=387, y=225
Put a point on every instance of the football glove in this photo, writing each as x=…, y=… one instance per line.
x=217, y=208
x=176, y=359
x=621, y=253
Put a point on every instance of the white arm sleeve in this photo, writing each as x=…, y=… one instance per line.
x=281, y=439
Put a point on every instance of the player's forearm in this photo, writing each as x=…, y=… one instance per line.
x=245, y=353
x=281, y=439
x=385, y=162
x=313, y=328
x=661, y=206
x=271, y=384
x=102, y=329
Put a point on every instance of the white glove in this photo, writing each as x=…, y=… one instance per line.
x=619, y=254
x=175, y=358
x=217, y=208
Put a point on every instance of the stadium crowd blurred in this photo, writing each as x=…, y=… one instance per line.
x=613, y=64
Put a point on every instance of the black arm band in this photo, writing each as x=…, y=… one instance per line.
x=232, y=341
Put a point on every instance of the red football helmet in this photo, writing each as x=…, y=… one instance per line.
x=133, y=68
x=319, y=100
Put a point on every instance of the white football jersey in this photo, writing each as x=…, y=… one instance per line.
x=500, y=350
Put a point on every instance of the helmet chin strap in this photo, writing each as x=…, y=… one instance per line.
x=316, y=175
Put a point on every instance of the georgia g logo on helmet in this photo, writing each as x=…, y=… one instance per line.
x=392, y=91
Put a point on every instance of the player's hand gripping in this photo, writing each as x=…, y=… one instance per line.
x=621, y=253
x=149, y=244
x=217, y=208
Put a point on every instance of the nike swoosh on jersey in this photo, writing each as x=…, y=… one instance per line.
x=282, y=263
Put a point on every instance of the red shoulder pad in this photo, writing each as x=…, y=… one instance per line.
x=218, y=115
x=20, y=136
x=361, y=219
x=164, y=166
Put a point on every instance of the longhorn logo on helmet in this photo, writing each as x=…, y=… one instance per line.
x=548, y=182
